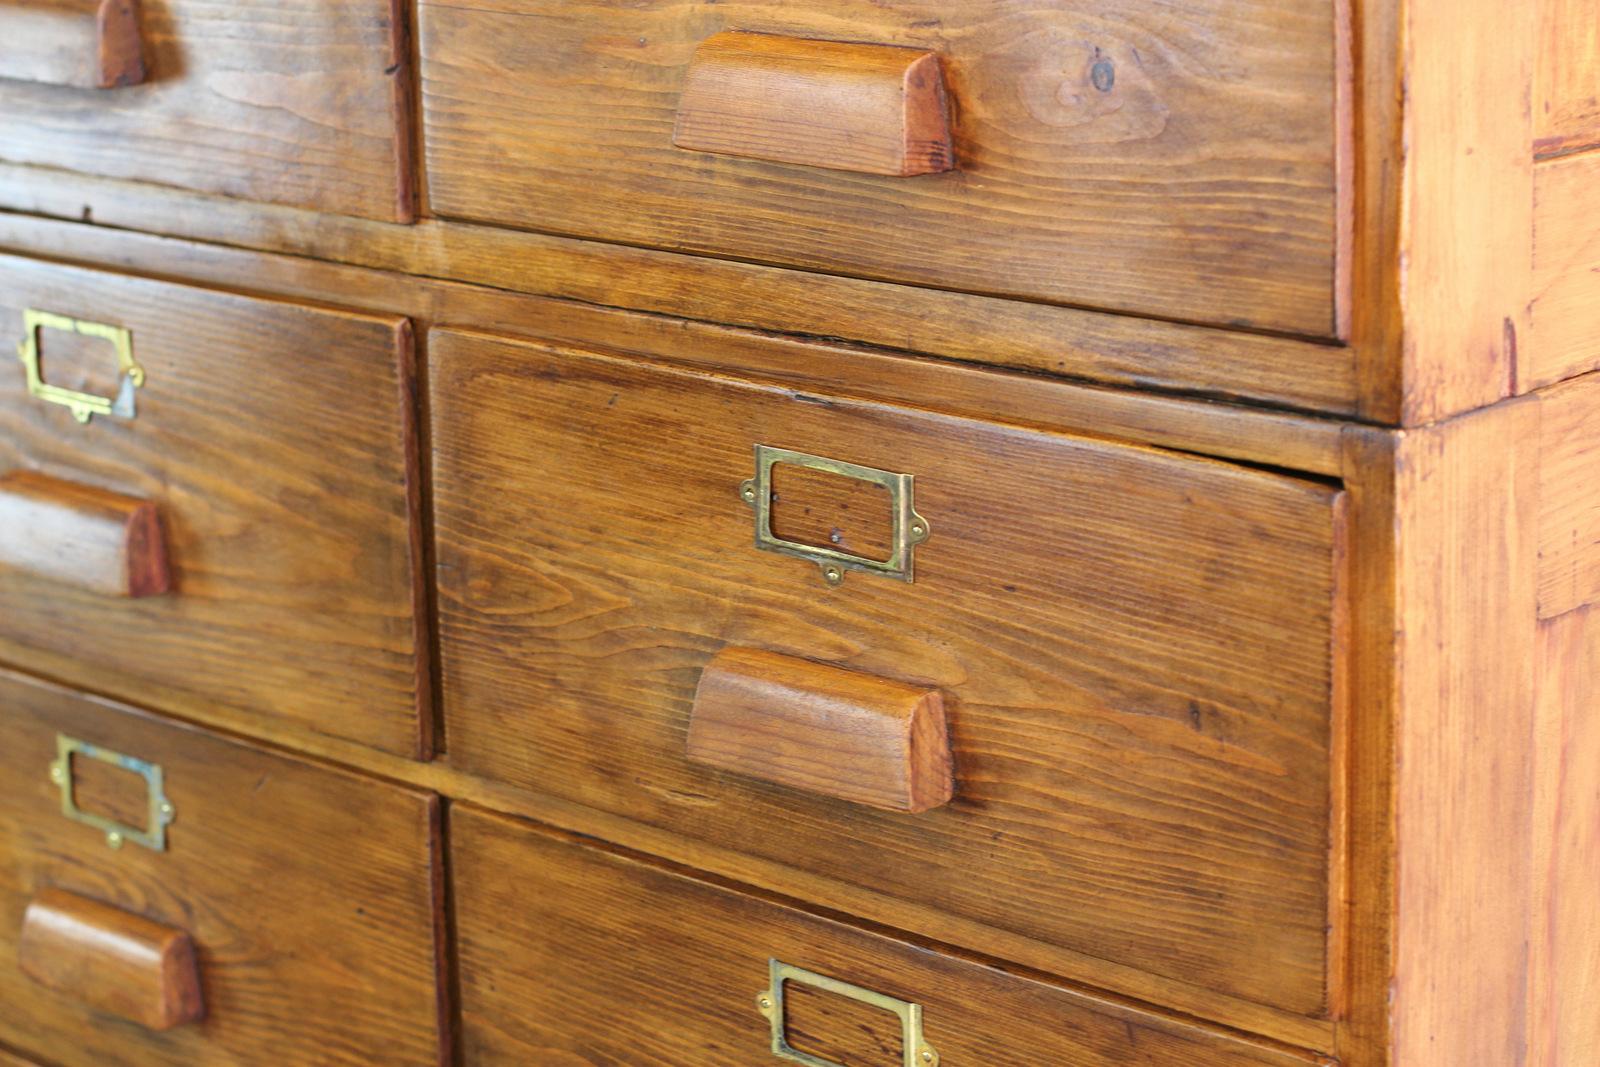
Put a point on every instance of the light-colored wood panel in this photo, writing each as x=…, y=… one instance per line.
x=1463, y=270
x=300, y=102
x=277, y=442
x=309, y=893
x=1138, y=649
x=1466, y=524
x=1567, y=96
x=555, y=935
x=1174, y=161
x=1565, y=337
x=1569, y=498
x=1564, y=1028
x=1116, y=349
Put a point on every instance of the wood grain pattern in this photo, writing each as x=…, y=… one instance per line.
x=1466, y=526
x=1463, y=268
x=831, y=104
x=1071, y=342
x=555, y=935
x=84, y=44
x=1176, y=161
x=1569, y=499
x=308, y=892
x=275, y=440
x=1136, y=649
x=1565, y=941
x=294, y=101
x=1565, y=339
x=104, y=542
x=1567, y=90
x=110, y=960
x=822, y=730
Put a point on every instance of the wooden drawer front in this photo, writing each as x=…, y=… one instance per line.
x=300, y=102
x=1134, y=651
x=576, y=956
x=1176, y=160
x=272, y=441
x=308, y=894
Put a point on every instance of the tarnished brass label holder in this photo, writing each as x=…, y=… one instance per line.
x=910, y=529
x=159, y=812
x=918, y=1053
x=84, y=406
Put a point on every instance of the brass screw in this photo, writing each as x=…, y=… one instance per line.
x=929, y=1056
x=114, y=839
x=166, y=810
x=764, y=1002
x=919, y=529
x=833, y=574
x=57, y=775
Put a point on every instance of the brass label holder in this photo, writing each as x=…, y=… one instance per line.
x=918, y=1053
x=159, y=811
x=910, y=529
x=84, y=406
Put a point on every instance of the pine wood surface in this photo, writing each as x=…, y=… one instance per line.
x=83, y=44
x=822, y=730
x=308, y=892
x=1136, y=644
x=103, y=542
x=1567, y=90
x=852, y=107
x=276, y=442
x=302, y=102
x=110, y=960
x=1195, y=181
x=1566, y=286
x=554, y=934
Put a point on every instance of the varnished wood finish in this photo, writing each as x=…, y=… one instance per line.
x=822, y=730
x=1567, y=98
x=298, y=102
x=1179, y=162
x=1566, y=245
x=111, y=960
x=275, y=440
x=1130, y=642
x=555, y=936
x=308, y=893
x=104, y=542
x=1069, y=342
x=85, y=44
x=1569, y=498
x=1565, y=937
x=841, y=106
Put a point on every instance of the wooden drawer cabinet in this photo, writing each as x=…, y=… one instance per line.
x=1136, y=651
x=1175, y=160
x=268, y=446
x=306, y=895
x=302, y=102
x=556, y=936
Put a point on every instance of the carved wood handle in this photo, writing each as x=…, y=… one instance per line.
x=823, y=729
x=100, y=541
x=85, y=44
x=870, y=109
x=111, y=960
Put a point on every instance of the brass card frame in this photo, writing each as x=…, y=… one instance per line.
x=918, y=1053
x=84, y=406
x=910, y=529
x=159, y=812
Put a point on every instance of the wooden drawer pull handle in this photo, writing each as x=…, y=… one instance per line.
x=822, y=729
x=870, y=109
x=84, y=44
x=100, y=541
x=111, y=960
